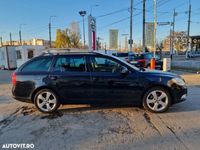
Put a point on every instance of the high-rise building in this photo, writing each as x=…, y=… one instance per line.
x=113, y=39
x=74, y=28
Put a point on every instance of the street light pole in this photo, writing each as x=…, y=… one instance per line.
x=188, y=30
x=83, y=13
x=50, y=29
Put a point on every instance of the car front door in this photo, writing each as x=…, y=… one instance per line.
x=110, y=84
x=71, y=79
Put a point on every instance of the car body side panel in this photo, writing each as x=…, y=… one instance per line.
x=27, y=83
x=71, y=87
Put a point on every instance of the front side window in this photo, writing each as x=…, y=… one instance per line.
x=40, y=64
x=70, y=64
x=101, y=64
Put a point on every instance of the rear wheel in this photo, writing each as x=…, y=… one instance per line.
x=157, y=100
x=46, y=101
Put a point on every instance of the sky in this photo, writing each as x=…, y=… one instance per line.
x=35, y=14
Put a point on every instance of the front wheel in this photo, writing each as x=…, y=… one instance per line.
x=46, y=101
x=157, y=100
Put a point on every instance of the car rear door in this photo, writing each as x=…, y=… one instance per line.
x=71, y=78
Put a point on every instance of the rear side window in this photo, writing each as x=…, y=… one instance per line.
x=40, y=64
x=70, y=64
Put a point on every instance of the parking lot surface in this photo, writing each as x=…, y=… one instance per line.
x=105, y=127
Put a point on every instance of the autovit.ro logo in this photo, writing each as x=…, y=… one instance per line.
x=17, y=146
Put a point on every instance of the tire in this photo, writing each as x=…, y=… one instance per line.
x=46, y=101
x=157, y=100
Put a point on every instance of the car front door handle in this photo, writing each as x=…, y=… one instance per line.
x=53, y=77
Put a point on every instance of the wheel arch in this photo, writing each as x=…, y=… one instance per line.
x=42, y=88
x=161, y=86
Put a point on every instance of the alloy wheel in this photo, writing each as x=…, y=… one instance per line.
x=46, y=101
x=157, y=100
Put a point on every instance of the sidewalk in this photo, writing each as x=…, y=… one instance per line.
x=188, y=64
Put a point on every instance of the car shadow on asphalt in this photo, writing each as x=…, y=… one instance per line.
x=64, y=111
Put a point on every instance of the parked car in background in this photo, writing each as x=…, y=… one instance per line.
x=143, y=60
x=93, y=78
x=123, y=56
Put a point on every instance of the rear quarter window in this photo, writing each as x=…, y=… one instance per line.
x=39, y=64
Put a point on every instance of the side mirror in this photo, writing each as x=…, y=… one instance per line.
x=124, y=71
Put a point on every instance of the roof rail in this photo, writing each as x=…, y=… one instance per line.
x=55, y=51
x=63, y=51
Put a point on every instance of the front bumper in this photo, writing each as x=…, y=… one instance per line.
x=179, y=94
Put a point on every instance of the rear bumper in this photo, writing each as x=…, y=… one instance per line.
x=22, y=99
x=16, y=96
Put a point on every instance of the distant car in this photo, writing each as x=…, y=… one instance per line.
x=93, y=78
x=123, y=56
x=143, y=60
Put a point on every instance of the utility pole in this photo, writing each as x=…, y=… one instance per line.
x=49, y=34
x=173, y=30
x=131, y=27
x=1, y=41
x=155, y=27
x=170, y=42
x=188, y=31
x=10, y=38
x=20, y=33
x=144, y=20
x=50, y=30
x=20, y=37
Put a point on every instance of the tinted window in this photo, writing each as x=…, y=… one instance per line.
x=70, y=63
x=40, y=64
x=101, y=64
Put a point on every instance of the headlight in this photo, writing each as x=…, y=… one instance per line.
x=178, y=81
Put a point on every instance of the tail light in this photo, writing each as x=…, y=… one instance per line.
x=14, y=78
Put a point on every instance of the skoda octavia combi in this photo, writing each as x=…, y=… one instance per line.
x=93, y=78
